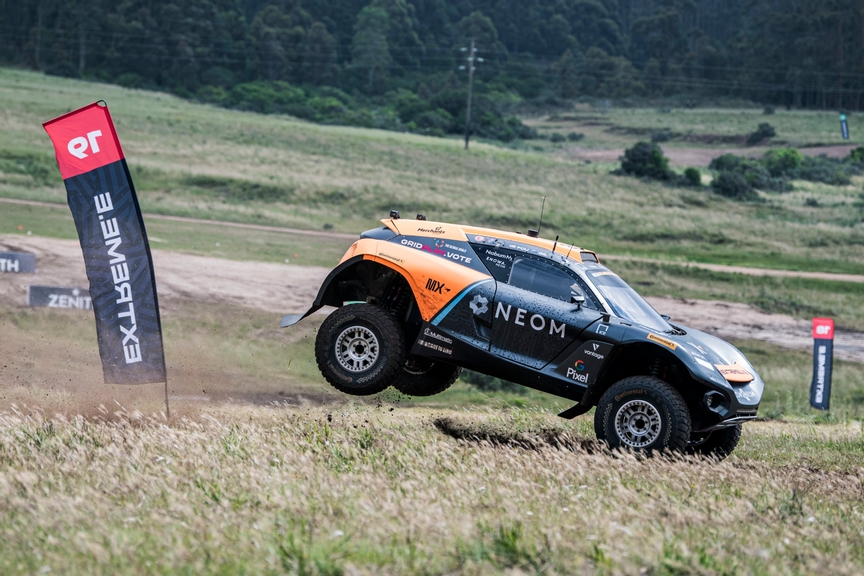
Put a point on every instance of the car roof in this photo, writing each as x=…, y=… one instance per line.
x=459, y=232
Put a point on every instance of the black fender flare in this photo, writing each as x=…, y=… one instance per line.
x=327, y=293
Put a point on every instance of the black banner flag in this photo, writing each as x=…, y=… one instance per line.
x=116, y=251
x=823, y=355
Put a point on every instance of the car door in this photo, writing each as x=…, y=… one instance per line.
x=534, y=317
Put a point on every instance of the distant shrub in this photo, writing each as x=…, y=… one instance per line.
x=751, y=170
x=856, y=155
x=575, y=136
x=812, y=202
x=647, y=160
x=823, y=169
x=768, y=110
x=556, y=137
x=782, y=161
x=763, y=132
x=733, y=185
x=661, y=136
x=693, y=177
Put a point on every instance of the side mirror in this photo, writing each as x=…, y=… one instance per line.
x=578, y=300
x=666, y=317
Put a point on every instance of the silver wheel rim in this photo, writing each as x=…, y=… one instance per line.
x=637, y=423
x=357, y=349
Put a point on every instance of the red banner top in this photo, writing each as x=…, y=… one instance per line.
x=84, y=140
x=823, y=328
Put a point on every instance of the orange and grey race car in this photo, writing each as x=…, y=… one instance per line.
x=417, y=301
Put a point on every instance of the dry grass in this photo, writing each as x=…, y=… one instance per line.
x=366, y=490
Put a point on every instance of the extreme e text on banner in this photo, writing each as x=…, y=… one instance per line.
x=116, y=251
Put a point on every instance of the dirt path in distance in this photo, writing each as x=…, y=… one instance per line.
x=682, y=157
x=277, y=288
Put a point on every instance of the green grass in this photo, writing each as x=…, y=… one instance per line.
x=621, y=127
x=201, y=161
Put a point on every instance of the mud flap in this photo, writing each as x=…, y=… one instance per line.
x=574, y=411
x=291, y=319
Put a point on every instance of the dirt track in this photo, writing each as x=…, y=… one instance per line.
x=682, y=157
x=282, y=288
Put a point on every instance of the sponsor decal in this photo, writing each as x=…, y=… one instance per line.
x=436, y=336
x=603, y=273
x=704, y=363
x=497, y=254
x=451, y=247
x=390, y=257
x=437, y=251
x=745, y=394
x=57, y=297
x=585, y=362
x=576, y=374
x=434, y=346
x=663, y=341
x=479, y=305
x=537, y=322
x=497, y=263
x=439, y=243
x=629, y=393
x=436, y=230
x=17, y=262
x=436, y=286
x=479, y=238
x=602, y=329
x=734, y=372
x=593, y=352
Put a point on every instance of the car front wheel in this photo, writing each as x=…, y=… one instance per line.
x=643, y=414
x=423, y=377
x=360, y=349
x=717, y=444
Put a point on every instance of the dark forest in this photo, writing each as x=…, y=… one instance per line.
x=396, y=63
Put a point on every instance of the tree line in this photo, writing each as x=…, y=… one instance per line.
x=359, y=57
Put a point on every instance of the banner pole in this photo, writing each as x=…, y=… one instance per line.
x=167, y=407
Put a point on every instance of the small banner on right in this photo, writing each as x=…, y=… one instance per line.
x=823, y=355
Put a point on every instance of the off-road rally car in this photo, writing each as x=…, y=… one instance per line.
x=417, y=301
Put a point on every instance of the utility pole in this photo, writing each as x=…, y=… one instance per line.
x=471, y=68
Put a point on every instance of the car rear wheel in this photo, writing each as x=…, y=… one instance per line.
x=360, y=349
x=423, y=377
x=717, y=444
x=643, y=414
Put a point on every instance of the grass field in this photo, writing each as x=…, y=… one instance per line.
x=710, y=127
x=195, y=160
x=263, y=469
x=364, y=490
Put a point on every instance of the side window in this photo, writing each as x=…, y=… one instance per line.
x=547, y=279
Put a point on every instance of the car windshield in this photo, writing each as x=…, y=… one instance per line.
x=625, y=302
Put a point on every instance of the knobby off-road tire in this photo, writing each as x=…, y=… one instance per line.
x=360, y=349
x=424, y=377
x=643, y=414
x=719, y=444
